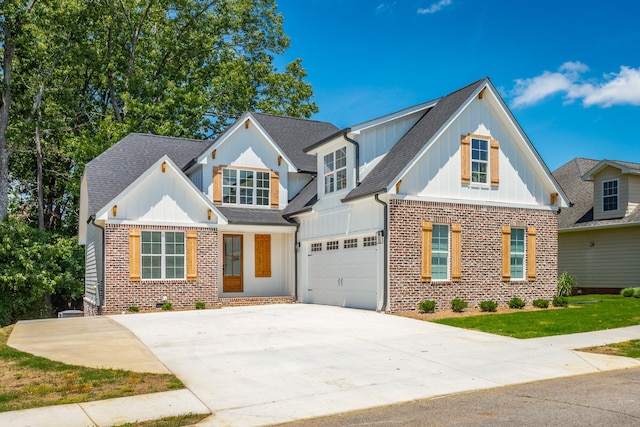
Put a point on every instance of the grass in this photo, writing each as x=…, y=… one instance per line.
x=28, y=381
x=180, y=421
x=626, y=349
x=614, y=311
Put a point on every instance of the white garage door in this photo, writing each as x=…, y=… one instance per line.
x=347, y=277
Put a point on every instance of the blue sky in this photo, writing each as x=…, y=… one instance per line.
x=569, y=70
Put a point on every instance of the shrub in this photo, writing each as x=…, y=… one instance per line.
x=516, y=302
x=541, y=303
x=427, y=306
x=566, y=283
x=167, y=306
x=636, y=292
x=458, y=305
x=627, y=292
x=133, y=309
x=200, y=305
x=560, y=301
x=489, y=306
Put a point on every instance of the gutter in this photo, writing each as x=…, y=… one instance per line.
x=357, y=146
x=92, y=220
x=385, y=285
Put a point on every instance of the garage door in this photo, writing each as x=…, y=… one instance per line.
x=343, y=276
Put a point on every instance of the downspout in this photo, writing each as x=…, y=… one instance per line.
x=296, y=252
x=92, y=220
x=386, y=254
x=354, y=142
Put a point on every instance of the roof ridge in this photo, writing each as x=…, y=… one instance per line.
x=280, y=116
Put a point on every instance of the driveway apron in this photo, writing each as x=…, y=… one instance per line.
x=262, y=365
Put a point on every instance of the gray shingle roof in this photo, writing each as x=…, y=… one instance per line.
x=292, y=135
x=304, y=200
x=253, y=216
x=580, y=192
x=115, y=169
x=379, y=179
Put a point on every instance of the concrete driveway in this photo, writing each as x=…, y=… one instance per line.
x=262, y=365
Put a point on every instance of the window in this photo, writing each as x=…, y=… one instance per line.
x=517, y=253
x=333, y=245
x=350, y=243
x=245, y=187
x=369, y=241
x=316, y=247
x=479, y=160
x=610, y=195
x=335, y=171
x=440, y=252
x=162, y=254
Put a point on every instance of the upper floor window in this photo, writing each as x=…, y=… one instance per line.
x=610, y=195
x=163, y=254
x=335, y=170
x=479, y=160
x=245, y=187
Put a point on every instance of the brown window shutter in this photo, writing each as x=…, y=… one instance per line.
x=506, y=253
x=192, y=254
x=494, y=162
x=217, y=184
x=134, y=254
x=427, y=230
x=263, y=255
x=465, y=155
x=531, y=254
x=275, y=190
x=456, y=252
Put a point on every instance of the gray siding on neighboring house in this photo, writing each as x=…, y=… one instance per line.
x=94, y=266
x=608, y=174
x=606, y=258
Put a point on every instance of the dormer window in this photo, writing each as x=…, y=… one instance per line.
x=610, y=195
x=245, y=187
x=335, y=170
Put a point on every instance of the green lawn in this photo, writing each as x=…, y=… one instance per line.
x=614, y=311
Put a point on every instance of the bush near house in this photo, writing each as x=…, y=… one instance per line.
x=541, y=303
x=516, y=302
x=489, y=305
x=560, y=301
x=636, y=292
x=627, y=292
x=458, y=305
x=427, y=306
x=566, y=283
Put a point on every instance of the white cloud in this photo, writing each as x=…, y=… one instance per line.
x=621, y=88
x=385, y=7
x=435, y=7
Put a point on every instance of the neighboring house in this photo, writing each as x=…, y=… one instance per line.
x=599, y=236
x=442, y=200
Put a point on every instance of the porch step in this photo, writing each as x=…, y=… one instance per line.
x=243, y=301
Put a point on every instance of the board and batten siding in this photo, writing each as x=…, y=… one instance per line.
x=94, y=258
x=604, y=258
x=437, y=173
x=376, y=141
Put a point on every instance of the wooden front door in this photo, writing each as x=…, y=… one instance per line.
x=232, y=264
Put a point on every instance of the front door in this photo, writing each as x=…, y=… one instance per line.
x=232, y=266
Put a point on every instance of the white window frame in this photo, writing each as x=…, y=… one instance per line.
x=606, y=196
x=164, y=254
x=439, y=252
x=520, y=255
x=480, y=162
x=335, y=176
x=235, y=193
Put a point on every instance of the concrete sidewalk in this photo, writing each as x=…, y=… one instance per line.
x=262, y=365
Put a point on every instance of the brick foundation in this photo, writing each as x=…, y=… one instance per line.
x=121, y=293
x=481, y=254
x=244, y=301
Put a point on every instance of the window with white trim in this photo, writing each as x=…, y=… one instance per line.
x=333, y=245
x=440, y=252
x=316, y=247
x=610, y=195
x=517, y=253
x=245, y=187
x=479, y=160
x=350, y=243
x=335, y=171
x=163, y=254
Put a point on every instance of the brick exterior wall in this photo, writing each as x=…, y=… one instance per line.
x=481, y=239
x=121, y=293
x=244, y=301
